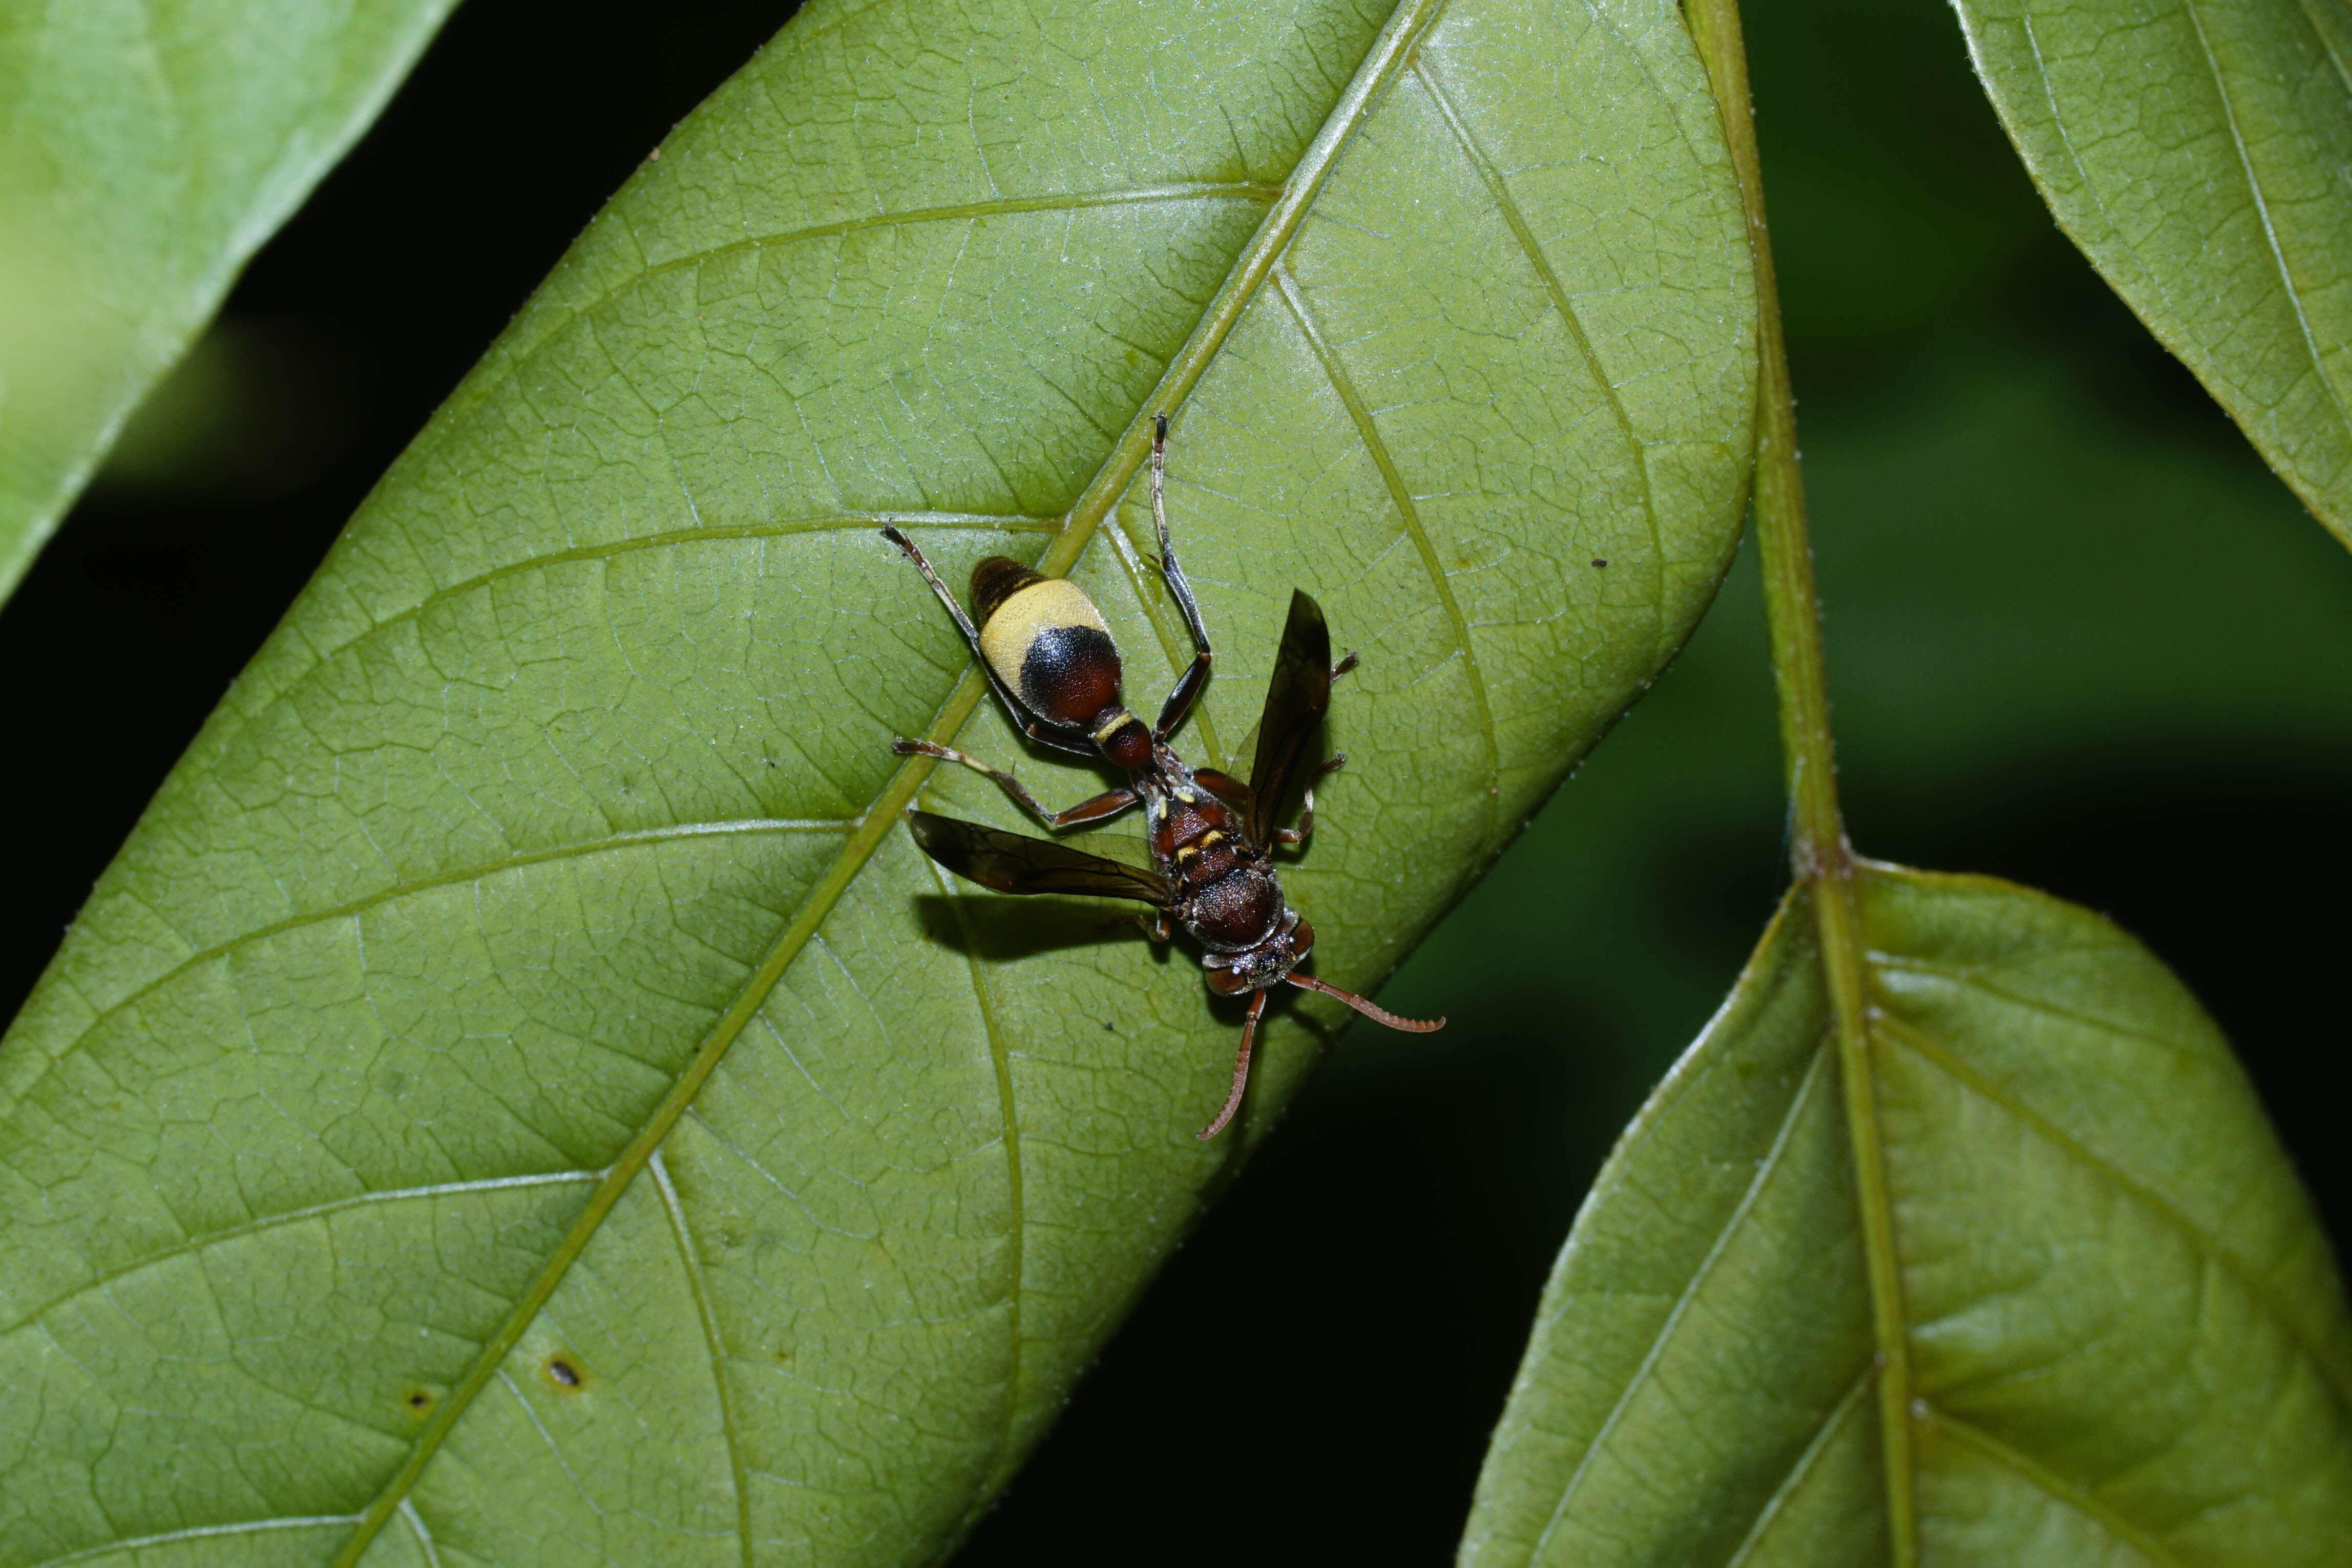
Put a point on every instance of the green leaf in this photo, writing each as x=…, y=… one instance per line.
x=2194, y=150
x=520, y=1094
x=149, y=152
x=2122, y=1334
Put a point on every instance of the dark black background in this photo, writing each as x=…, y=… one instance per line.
x=2053, y=576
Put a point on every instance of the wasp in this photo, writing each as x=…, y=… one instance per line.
x=1051, y=661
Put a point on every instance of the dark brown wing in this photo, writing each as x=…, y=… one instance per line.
x=1293, y=708
x=1015, y=862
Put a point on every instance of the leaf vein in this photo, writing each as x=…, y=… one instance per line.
x=98, y=1282
x=714, y=1346
x=1765, y=1169
x=1367, y=431
x=473, y=874
x=1524, y=234
x=2195, y=11
x=1008, y=1109
x=2055, y=1486
x=415, y=1523
x=959, y=212
x=835, y=522
x=1936, y=1055
x=196, y=1532
x=1814, y=1448
x=1904, y=963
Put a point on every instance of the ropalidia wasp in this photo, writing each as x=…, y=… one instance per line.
x=1050, y=658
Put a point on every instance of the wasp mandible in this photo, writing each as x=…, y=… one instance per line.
x=1049, y=655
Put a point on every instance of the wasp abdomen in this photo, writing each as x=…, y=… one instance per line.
x=1046, y=641
x=994, y=581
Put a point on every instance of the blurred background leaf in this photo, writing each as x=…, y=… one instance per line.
x=2117, y=1331
x=2196, y=150
x=520, y=1093
x=2079, y=634
x=149, y=150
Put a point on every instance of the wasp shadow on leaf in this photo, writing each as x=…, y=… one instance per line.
x=999, y=929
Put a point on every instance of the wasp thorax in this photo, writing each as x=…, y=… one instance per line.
x=1046, y=641
x=1237, y=912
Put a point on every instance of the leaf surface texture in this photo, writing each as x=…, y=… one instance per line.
x=522, y=1095
x=146, y=151
x=2196, y=150
x=2123, y=1335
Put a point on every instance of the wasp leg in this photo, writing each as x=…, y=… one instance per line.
x=1179, y=706
x=1225, y=786
x=1155, y=928
x=1306, y=829
x=1110, y=803
x=1020, y=715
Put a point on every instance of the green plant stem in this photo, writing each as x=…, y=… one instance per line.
x=1819, y=853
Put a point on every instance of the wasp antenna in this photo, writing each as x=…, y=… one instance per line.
x=1241, y=1072
x=1377, y=1014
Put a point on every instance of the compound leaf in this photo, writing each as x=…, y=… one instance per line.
x=149, y=150
x=522, y=1096
x=2196, y=150
x=2122, y=1334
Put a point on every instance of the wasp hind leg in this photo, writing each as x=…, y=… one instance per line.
x=1306, y=829
x=1110, y=803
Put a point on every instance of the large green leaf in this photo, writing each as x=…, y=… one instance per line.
x=2196, y=150
x=520, y=1095
x=2122, y=1335
x=146, y=151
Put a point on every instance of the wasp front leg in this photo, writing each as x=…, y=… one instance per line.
x=1306, y=829
x=1179, y=706
x=1110, y=803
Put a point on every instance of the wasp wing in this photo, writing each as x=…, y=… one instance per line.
x=1015, y=862
x=1294, y=709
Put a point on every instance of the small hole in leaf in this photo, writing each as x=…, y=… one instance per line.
x=563, y=1372
x=417, y=1401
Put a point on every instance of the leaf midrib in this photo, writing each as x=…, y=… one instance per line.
x=1382, y=63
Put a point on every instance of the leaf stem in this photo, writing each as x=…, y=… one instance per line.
x=1818, y=853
